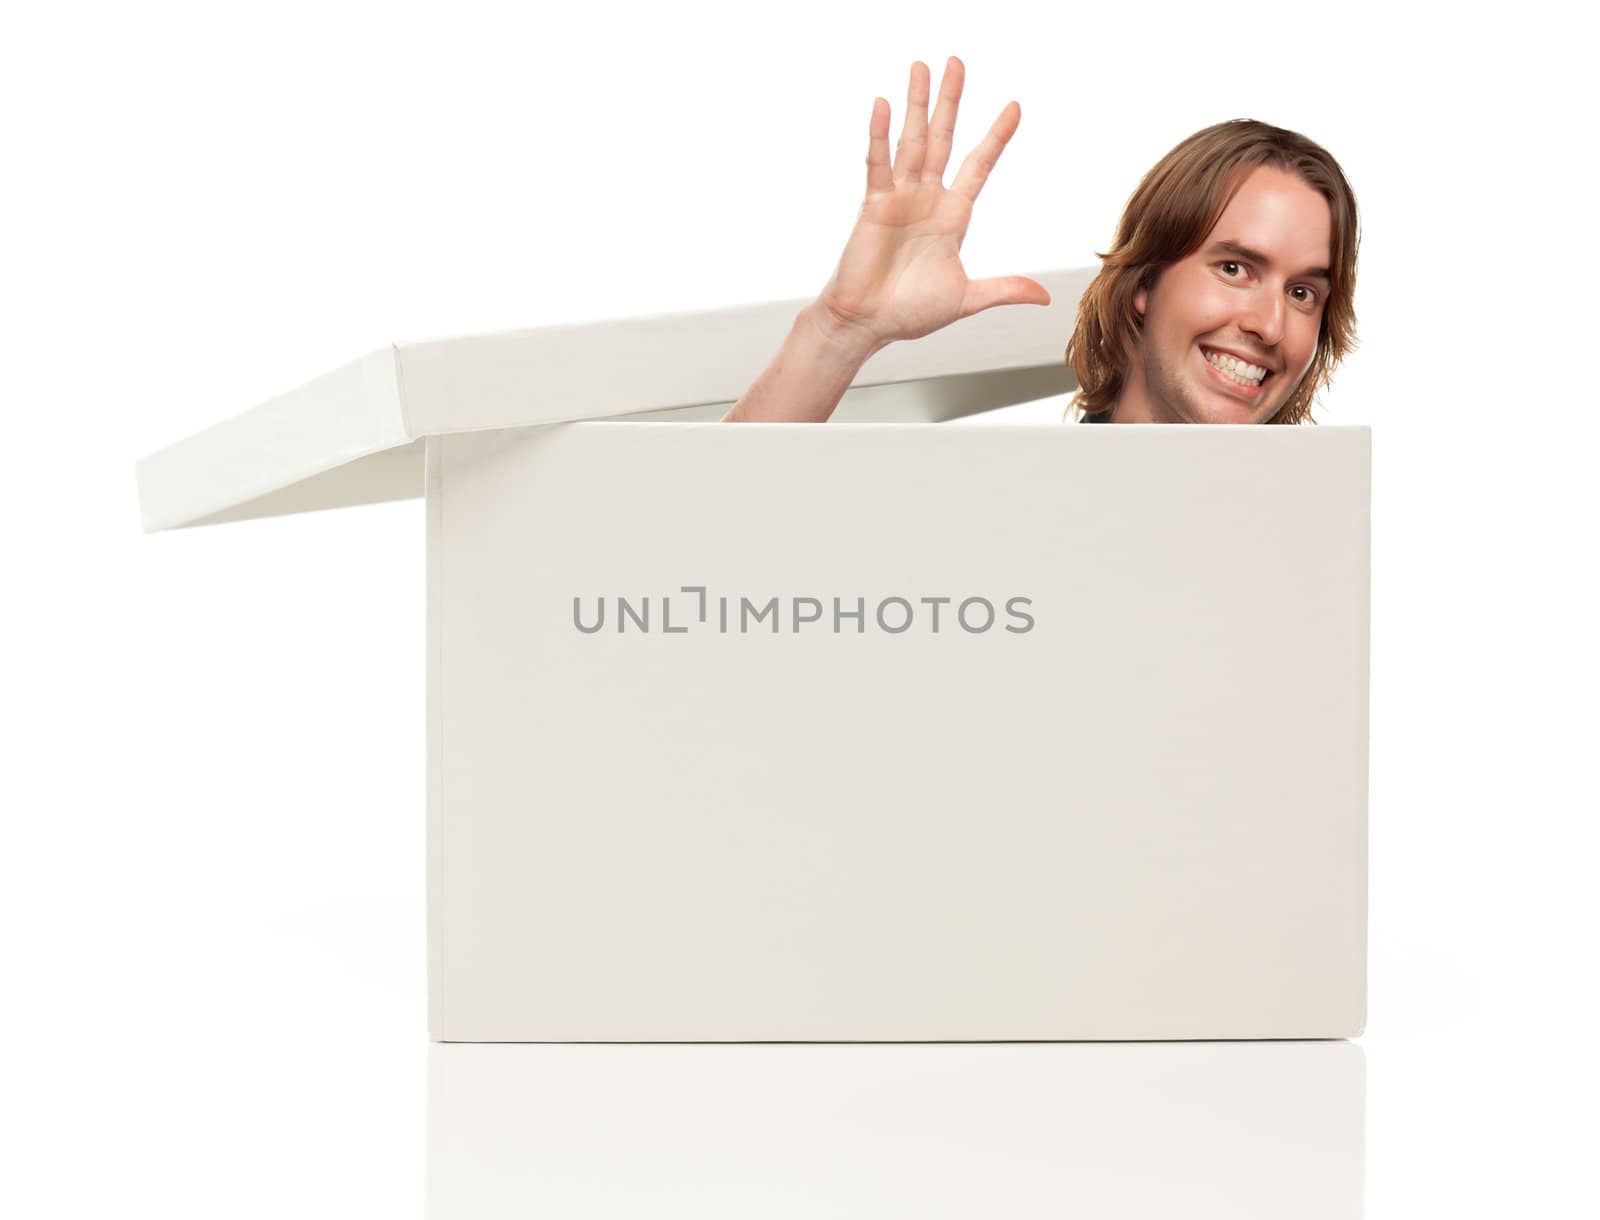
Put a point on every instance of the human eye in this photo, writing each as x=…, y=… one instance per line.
x=1308, y=296
x=1231, y=268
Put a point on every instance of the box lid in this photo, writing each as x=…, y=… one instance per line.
x=354, y=435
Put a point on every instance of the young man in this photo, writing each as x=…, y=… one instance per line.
x=1226, y=297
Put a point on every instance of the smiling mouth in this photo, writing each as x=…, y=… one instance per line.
x=1240, y=376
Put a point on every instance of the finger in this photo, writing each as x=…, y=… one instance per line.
x=913, y=148
x=942, y=132
x=981, y=160
x=878, y=176
x=1002, y=290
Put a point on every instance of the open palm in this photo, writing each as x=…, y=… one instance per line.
x=900, y=276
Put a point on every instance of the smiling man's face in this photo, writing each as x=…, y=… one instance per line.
x=1252, y=294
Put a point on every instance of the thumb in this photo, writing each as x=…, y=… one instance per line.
x=1002, y=290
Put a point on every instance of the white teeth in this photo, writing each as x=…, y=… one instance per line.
x=1239, y=370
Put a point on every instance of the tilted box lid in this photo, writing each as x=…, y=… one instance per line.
x=353, y=436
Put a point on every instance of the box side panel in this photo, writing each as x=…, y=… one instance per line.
x=437, y=870
x=718, y=771
x=966, y=398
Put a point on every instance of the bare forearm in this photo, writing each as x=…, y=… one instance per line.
x=809, y=375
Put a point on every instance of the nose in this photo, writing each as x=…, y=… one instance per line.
x=1263, y=316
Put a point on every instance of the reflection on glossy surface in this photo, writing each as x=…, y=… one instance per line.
x=1170, y=1130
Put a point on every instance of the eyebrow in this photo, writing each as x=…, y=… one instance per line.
x=1255, y=256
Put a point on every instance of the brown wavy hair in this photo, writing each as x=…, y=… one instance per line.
x=1168, y=218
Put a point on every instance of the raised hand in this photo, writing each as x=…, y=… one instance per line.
x=900, y=276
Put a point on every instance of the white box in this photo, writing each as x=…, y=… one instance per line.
x=1118, y=793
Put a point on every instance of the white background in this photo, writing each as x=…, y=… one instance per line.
x=211, y=877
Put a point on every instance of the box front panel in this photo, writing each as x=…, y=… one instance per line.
x=898, y=732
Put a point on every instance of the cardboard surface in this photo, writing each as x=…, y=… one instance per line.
x=1143, y=817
